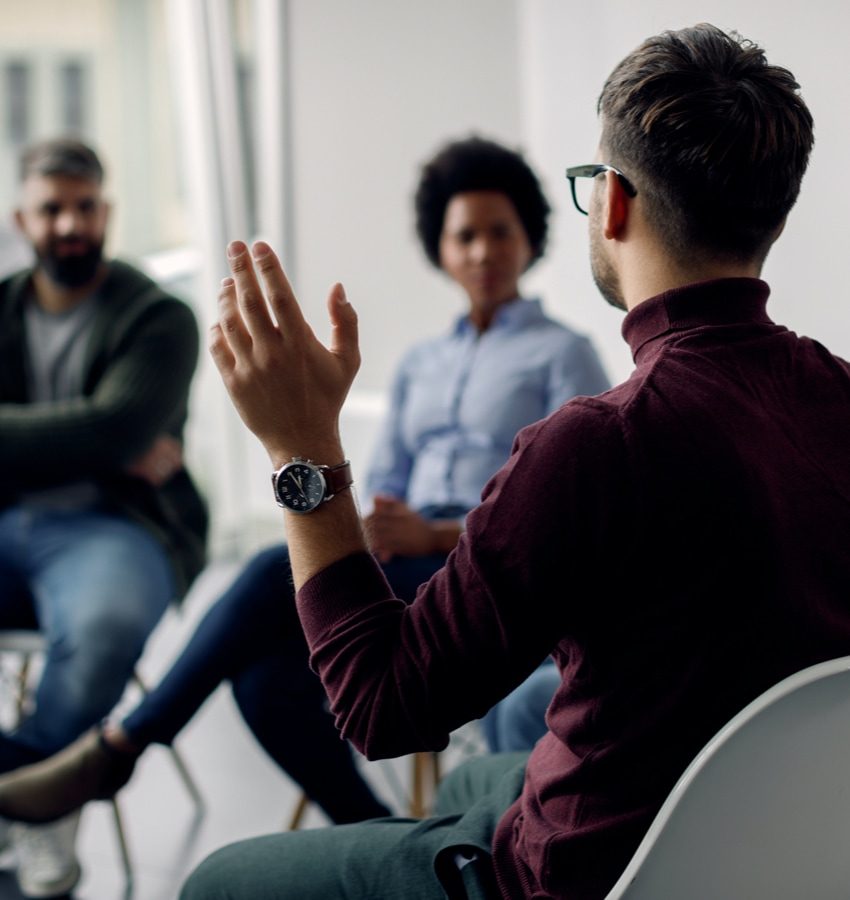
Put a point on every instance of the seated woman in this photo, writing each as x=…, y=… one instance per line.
x=456, y=403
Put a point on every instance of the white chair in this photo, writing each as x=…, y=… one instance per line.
x=763, y=812
x=27, y=645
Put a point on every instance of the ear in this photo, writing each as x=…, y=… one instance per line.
x=19, y=221
x=615, y=208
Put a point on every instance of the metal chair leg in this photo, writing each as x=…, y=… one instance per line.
x=122, y=841
x=180, y=765
x=187, y=779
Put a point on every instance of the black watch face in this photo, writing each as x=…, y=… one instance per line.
x=300, y=487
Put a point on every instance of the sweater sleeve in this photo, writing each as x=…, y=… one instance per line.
x=402, y=678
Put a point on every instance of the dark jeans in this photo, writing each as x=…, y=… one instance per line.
x=252, y=637
x=390, y=858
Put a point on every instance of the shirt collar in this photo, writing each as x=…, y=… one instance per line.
x=512, y=316
x=721, y=301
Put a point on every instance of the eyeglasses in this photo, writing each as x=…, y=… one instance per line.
x=581, y=195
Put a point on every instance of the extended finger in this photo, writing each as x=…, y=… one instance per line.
x=279, y=291
x=220, y=351
x=249, y=295
x=344, y=330
x=231, y=319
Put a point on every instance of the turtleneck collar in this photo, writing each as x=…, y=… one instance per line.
x=721, y=301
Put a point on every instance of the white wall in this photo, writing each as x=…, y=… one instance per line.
x=375, y=87
x=565, y=58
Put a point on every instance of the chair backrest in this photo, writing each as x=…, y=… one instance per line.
x=763, y=812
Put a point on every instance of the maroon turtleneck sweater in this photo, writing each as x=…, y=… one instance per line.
x=678, y=543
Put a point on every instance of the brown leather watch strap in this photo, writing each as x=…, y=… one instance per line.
x=337, y=478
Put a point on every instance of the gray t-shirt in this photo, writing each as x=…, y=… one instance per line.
x=56, y=348
x=56, y=345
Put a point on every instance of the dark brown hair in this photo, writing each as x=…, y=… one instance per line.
x=61, y=156
x=714, y=138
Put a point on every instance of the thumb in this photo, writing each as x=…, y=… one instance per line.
x=344, y=333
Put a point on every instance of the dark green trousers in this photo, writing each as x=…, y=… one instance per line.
x=381, y=859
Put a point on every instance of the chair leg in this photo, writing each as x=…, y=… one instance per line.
x=187, y=779
x=182, y=769
x=436, y=773
x=122, y=841
x=417, y=787
x=425, y=765
x=420, y=764
x=299, y=812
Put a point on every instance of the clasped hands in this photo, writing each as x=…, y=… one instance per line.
x=287, y=387
x=159, y=462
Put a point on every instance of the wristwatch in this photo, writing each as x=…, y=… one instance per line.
x=302, y=487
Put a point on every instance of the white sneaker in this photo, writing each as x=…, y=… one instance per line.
x=47, y=864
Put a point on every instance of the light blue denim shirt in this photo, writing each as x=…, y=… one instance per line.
x=457, y=402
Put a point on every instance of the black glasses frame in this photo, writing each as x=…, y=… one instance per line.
x=591, y=171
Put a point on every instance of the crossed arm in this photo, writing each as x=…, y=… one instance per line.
x=159, y=462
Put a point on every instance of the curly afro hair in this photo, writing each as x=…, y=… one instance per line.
x=478, y=164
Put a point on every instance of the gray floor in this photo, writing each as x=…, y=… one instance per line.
x=245, y=793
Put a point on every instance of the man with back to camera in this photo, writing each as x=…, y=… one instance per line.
x=101, y=526
x=678, y=543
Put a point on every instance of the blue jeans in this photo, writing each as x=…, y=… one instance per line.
x=96, y=585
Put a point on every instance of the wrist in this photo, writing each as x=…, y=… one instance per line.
x=302, y=485
x=321, y=453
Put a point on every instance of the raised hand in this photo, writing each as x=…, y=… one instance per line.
x=286, y=385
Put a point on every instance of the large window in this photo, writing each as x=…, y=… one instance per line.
x=73, y=97
x=17, y=99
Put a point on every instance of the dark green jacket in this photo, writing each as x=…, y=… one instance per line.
x=139, y=366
